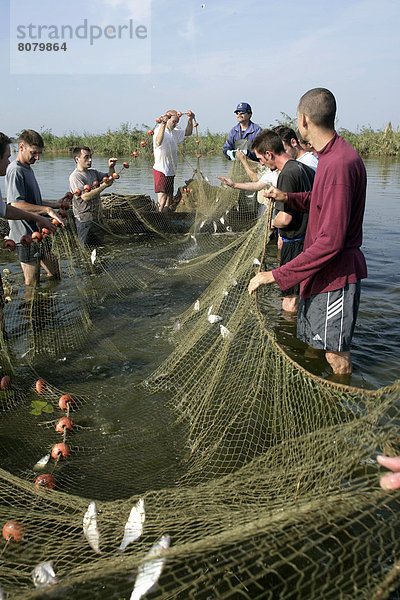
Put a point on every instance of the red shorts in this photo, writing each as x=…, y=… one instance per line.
x=163, y=183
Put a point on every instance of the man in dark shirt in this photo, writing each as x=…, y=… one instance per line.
x=331, y=266
x=291, y=224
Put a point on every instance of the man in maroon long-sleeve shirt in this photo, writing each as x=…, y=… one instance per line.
x=331, y=266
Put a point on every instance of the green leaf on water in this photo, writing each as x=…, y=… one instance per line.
x=40, y=406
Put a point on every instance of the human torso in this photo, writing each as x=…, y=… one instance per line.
x=21, y=186
x=294, y=178
x=166, y=154
x=86, y=210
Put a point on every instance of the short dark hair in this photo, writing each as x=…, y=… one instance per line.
x=4, y=142
x=78, y=149
x=31, y=138
x=287, y=134
x=319, y=105
x=268, y=141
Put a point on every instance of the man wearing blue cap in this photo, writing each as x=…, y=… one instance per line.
x=242, y=135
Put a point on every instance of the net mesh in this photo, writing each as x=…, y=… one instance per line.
x=261, y=473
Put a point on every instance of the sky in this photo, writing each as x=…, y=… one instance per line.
x=203, y=56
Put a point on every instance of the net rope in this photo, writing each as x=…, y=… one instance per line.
x=262, y=474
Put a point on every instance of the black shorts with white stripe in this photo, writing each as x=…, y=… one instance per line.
x=326, y=321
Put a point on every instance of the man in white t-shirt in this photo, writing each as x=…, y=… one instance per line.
x=167, y=136
x=293, y=148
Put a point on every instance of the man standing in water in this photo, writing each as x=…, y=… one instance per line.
x=86, y=204
x=331, y=266
x=10, y=212
x=23, y=192
x=242, y=135
x=167, y=136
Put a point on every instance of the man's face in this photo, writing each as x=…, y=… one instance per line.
x=84, y=160
x=29, y=154
x=243, y=117
x=172, y=122
x=5, y=160
x=266, y=159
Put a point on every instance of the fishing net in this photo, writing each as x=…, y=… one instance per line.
x=262, y=473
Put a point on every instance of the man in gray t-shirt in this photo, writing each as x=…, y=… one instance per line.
x=23, y=192
x=86, y=204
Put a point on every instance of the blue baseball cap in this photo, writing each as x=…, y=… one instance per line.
x=243, y=107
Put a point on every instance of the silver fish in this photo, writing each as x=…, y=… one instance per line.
x=226, y=334
x=42, y=463
x=134, y=525
x=215, y=227
x=214, y=318
x=43, y=575
x=222, y=220
x=256, y=262
x=196, y=305
x=210, y=310
x=93, y=256
x=149, y=571
x=90, y=529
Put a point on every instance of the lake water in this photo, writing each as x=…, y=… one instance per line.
x=377, y=337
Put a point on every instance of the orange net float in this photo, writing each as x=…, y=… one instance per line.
x=66, y=205
x=41, y=386
x=5, y=383
x=26, y=240
x=86, y=187
x=37, y=236
x=125, y=165
x=9, y=245
x=46, y=481
x=13, y=530
x=69, y=196
x=134, y=154
x=63, y=424
x=143, y=143
x=77, y=192
x=115, y=175
x=66, y=401
x=150, y=132
x=60, y=450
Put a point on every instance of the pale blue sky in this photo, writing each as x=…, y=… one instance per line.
x=209, y=56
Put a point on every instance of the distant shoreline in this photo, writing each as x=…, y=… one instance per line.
x=125, y=140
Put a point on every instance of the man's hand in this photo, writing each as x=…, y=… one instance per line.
x=165, y=118
x=275, y=194
x=44, y=222
x=226, y=181
x=262, y=278
x=390, y=481
x=241, y=156
x=111, y=162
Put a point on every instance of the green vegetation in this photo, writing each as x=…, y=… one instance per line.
x=127, y=139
